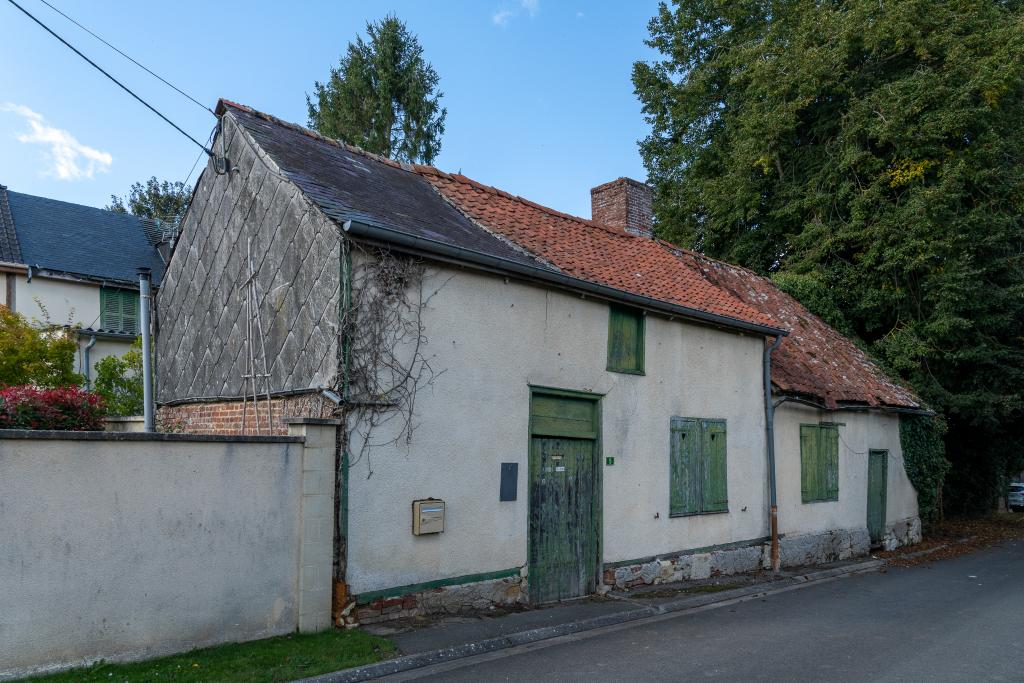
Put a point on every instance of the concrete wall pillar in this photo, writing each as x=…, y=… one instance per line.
x=316, y=544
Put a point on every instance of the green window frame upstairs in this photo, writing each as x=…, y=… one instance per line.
x=698, y=478
x=625, y=340
x=819, y=462
x=119, y=310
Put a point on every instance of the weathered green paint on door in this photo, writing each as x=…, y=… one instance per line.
x=878, y=465
x=563, y=498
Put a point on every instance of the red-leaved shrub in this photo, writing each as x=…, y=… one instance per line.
x=67, y=408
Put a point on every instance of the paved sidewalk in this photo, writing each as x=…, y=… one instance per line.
x=452, y=638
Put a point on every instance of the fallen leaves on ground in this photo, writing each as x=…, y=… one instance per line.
x=955, y=537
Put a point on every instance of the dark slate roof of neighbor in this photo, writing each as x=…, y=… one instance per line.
x=814, y=362
x=9, y=249
x=75, y=239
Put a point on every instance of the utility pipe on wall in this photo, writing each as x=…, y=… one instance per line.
x=85, y=362
x=145, y=296
x=769, y=428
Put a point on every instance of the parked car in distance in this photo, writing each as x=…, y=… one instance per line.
x=1015, y=497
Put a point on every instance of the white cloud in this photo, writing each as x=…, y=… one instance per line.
x=67, y=158
x=502, y=16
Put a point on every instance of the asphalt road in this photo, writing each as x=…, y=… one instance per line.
x=954, y=620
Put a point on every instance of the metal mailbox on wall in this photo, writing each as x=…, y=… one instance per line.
x=427, y=516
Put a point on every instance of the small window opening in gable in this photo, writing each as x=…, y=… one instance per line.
x=626, y=340
x=119, y=310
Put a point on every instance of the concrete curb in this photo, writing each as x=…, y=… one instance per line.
x=423, y=659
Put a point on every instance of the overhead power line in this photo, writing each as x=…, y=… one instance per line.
x=130, y=59
x=119, y=83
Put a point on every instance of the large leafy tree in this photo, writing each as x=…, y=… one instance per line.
x=382, y=96
x=163, y=200
x=872, y=152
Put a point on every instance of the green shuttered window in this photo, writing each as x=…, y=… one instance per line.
x=697, y=475
x=819, y=462
x=119, y=310
x=626, y=340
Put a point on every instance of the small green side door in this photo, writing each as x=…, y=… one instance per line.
x=878, y=466
x=563, y=501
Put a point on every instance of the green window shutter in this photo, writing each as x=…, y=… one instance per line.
x=828, y=443
x=129, y=312
x=808, y=463
x=714, y=492
x=119, y=310
x=625, y=340
x=110, y=309
x=683, y=473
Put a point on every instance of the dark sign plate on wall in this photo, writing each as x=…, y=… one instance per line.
x=509, y=477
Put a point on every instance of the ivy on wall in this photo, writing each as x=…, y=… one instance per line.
x=924, y=456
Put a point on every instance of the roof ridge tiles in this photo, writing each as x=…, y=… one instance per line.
x=704, y=257
x=458, y=177
x=309, y=132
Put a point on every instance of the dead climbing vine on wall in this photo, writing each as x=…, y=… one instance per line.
x=383, y=363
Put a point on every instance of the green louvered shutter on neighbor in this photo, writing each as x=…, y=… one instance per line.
x=625, y=340
x=119, y=310
x=808, y=463
x=685, y=455
x=715, y=490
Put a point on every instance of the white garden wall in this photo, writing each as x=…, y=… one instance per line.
x=127, y=546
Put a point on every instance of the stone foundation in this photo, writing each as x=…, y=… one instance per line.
x=901, y=533
x=822, y=548
x=226, y=417
x=688, y=567
x=795, y=551
x=444, y=600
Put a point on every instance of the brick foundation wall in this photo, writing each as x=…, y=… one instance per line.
x=467, y=598
x=225, y=417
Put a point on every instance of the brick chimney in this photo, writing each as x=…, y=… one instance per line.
x=624, y=204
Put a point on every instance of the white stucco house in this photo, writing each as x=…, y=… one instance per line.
x=74, y=265
x=531, y=405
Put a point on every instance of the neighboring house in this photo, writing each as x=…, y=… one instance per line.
x=587, y=400
x=74, y=265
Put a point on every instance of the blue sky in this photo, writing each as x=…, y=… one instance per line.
x=538, y=92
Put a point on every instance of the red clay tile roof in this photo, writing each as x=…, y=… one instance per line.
x=591, y=252
x=814, y=361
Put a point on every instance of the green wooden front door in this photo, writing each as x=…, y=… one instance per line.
x=878, y=466
x=563, y=498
